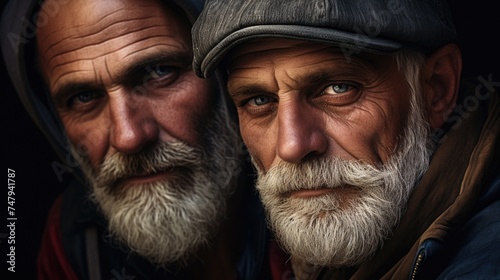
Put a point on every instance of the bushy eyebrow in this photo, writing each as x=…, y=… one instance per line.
x=317, y=77
x=179, y=59
x=174, y=58
x=66, y=90
x=243, y=91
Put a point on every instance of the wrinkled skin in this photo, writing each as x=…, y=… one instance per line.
x=124, y=81
x=120, y=77
x=289, y=109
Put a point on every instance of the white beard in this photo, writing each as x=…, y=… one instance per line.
x=169, y=221
x=329, y=231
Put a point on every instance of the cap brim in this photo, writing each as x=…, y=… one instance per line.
x=350, y=42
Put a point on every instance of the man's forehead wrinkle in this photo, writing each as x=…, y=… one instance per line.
x=154, y=46
x=110, y=51
x=56, y=85
x=110, y=75
x=326, y=49
x=75, y=42
x=290, y=80
x=139, y=27
x=97, y=76
x=117, y=16
x=243, y=66
x=86, y=25
x=88, y=30
x=348, y=69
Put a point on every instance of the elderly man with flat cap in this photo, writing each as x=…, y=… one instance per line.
x=365, y=166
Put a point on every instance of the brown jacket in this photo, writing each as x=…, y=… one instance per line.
x=466, y=159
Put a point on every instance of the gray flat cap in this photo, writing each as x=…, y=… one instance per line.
x=380, y=26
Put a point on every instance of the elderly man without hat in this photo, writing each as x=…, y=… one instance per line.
x=366, y=168
x=164, y=191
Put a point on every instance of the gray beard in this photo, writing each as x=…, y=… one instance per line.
x=328, y=231
x=169, y=221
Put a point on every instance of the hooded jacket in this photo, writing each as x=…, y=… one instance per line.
x=74, y=245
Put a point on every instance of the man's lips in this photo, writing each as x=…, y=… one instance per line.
x=311, y=193
x=347, y=190
x=146, y=177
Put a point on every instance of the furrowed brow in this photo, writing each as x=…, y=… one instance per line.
x=61, y=94
x=337, y=73
x=320, y=76
x=240, y=92
x=179, y=59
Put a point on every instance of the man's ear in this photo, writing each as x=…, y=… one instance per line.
x=441, y=78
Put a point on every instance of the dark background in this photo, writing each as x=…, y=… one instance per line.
x=24, y=149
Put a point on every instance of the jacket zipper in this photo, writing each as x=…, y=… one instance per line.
x=417, y=264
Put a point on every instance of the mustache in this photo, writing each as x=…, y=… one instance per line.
x=156, y=158
x=318, y=174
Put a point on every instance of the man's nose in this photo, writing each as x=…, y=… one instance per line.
x=133, y=125
x=301, y=132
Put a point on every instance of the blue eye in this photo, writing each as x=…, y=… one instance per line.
x=159, y=71
x=339, y=88
x=85, y=97
x=259, y=100
x=84, y=100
